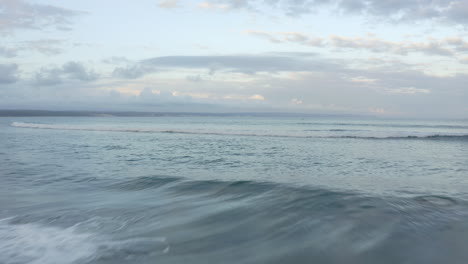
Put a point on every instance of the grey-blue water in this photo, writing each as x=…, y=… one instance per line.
x=232, y=190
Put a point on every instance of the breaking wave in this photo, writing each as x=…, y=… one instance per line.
x=333, y=132
x=36, y=244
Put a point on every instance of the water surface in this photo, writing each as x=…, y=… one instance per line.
x=232, y=190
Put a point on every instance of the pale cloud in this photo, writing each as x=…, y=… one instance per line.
x=377, y=110
x=458, y=43
x=116, y=60
x=48, y=76
x=339, y=71
x=317, y=90
x=133, y=71
x=153, y=95
x=194, y=78
x=211, y=5
x=296, y=101
x=8, y=73
x=257, y=97
x=44, y=46
x=452, y=11
x=409, y=90
x=374, y=44
x=8, y=52
x=437, y=47
x=20, y=14
x=202, y=47
x=457, y=11
x=264, y=35
x=248, y=64
x=169, y=4
x=293, y=37
x=76, y=70
x=72, y=71
x=362, y=79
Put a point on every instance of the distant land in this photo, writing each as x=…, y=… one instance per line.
x=31, y=113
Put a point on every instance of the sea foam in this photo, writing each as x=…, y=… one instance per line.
x=37, y=244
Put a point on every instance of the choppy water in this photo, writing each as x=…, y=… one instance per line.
x=232, y=190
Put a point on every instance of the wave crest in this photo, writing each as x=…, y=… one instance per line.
x=368, y=135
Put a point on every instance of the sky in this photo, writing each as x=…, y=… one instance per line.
x=389, y=58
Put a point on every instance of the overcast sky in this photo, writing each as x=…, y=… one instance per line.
x=403, y=58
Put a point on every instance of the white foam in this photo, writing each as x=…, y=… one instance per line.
x=47, y=126
x=321, y=134
x=36, y=244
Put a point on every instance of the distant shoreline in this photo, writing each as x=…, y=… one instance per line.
x=90, y=113
x=52, y=113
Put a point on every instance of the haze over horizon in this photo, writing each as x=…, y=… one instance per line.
x=360, y=57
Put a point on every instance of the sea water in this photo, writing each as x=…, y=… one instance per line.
x=227, y=189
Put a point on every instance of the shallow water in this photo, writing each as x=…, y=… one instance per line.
x=232, y=190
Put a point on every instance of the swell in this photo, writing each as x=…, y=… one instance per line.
x=165, y=131
x=302, y=195
x=382, y=125
x=278, y=223
x=244, y=222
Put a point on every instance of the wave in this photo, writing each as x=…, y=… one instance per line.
x=454, y=136
x=433, y=136
x=346, y=225
x=321, y=225
x=243, y=188
x=383, y=125
x=35, y=244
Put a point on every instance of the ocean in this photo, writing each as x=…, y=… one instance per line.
x=233, y=189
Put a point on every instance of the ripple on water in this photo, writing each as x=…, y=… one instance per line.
x=436, y=200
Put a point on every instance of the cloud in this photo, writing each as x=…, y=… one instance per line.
x=458, y=11
x=265, y=35
x=409, y=93
x=293, y=37
x=47, y=47
x=374, y=44
x=363, y=80
x=202, y=47
x=8, y=52
x=116, y=60
x=295, y=85
x=44, y=46
x=194, y=78
x=46, y=76
x=453, y=11
x=20, y=14
x=73, y=71
x=8, y=73
x=133, y=71
x=296, y=101
x=459, y=43
x=226, y=5
x=257, y=97
x=288, y=6
x=409, y=90
x=77, y=71
x=150, y=94
x=249, y=64
x=440, y=47
x=169, y=4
